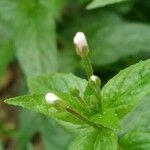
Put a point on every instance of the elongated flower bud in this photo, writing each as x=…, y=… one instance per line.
x=56, y=101
x=81, y=44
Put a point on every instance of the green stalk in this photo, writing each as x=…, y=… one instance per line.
x=87, y=66
x=82, y=118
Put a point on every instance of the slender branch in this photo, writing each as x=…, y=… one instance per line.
x=81, y=117
x=87, y=66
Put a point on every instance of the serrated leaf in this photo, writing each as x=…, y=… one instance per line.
x=58, y=82
x=127, y=88
x=61, y=84
x=101, y=3
x=34, y=102
x=38, y=103
x=90, y=139
x=108, y=119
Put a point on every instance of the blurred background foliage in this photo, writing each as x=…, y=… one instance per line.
x=36, y=38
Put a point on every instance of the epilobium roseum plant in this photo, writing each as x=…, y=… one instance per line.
x=95, y=113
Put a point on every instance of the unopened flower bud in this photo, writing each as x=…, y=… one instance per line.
x=81, y=44
x=74, y=91
x=94, y=80
x=51, y=98
x=93, y=103
x=54, y=100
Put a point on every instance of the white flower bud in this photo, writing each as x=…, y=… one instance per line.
x=51, y=98
x=56, y=101
x=80, y=40
x=95, y=80
x=81, y=44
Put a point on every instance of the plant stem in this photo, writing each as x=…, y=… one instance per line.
x=87, y=66
x=98, y=95
x=84, y=119
x=83, y=103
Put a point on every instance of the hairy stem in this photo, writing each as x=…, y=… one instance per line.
x=81, y=117
x=87, y=66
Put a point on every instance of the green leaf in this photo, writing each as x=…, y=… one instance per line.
x=127, y=88
x=37, y=103
x=108, y=119
x=35, y=37
x=135, y=141
x=106, y=140
x=136, y=127
x=101, y=3
x=6, y=57
x=56, y=7
x=34, y=33
x=57, y=82
x=34, y=102
x=60, y=84
x=90, y=139
x=6, y=48
x=54, y=136
x=123, y=39
x=49, y=130
x=140, y=123
x=8, y=9
x=26, y=130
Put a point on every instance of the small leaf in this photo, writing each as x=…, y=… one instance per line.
x=101, y=3
x=127, y=88
x=90, y=139
x=108, y=119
